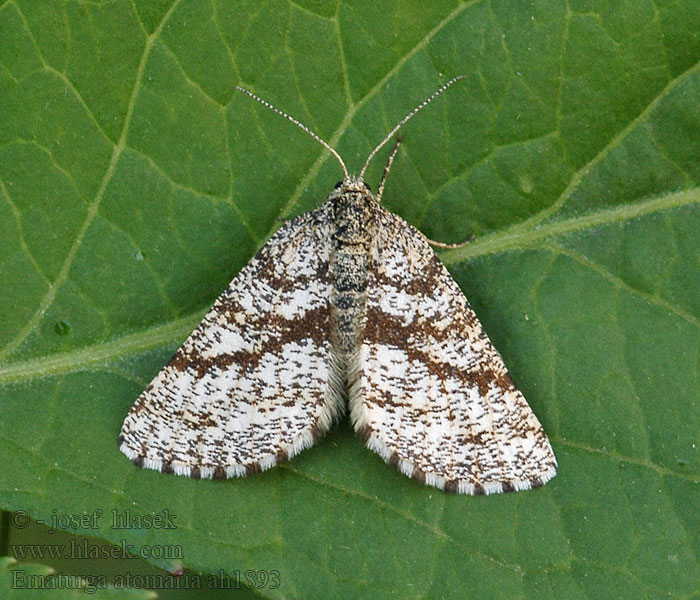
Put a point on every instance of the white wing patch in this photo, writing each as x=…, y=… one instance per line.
x=429, y=393
x=254, y=384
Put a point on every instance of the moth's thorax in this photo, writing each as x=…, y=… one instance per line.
x=353, y=208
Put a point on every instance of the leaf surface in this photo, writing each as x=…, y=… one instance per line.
x=39, y=582
x=135, y=183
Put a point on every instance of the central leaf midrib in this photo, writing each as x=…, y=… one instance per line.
x=514, y=238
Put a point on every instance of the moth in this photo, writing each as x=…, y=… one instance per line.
x=344, y=306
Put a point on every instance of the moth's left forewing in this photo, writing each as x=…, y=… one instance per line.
x=429, y=393
x=254, y=383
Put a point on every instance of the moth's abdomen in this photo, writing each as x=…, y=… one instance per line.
x=353, y=212
x=348, y=270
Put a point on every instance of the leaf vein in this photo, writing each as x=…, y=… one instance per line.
x=94, y=205
x=620, y=284
x=401, y=513
x=611, y=145
x=527, y=234
x=20, y=233
x=354, y=108
x=665, y=471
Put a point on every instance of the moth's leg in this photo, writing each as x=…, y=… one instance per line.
x=458, y=245
x=380, y=189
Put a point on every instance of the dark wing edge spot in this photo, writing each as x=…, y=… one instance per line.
x=453, y=486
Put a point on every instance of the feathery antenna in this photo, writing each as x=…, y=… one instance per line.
x=301, y=126
x=389, y=135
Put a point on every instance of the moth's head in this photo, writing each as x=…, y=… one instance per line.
x=352, y=188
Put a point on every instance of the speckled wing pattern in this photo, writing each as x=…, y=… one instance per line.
x=254, y=384
x=429, y=392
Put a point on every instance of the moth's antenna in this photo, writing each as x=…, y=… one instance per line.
x=389, y=135
x=392, y=156
x=301, y=126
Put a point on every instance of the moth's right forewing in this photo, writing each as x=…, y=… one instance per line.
x=430, y=393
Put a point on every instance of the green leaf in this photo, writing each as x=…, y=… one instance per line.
x=135, y=183
x=27, y=580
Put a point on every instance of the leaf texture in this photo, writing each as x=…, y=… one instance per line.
x=135, y=183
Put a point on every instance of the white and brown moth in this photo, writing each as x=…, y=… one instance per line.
x=346, y=305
